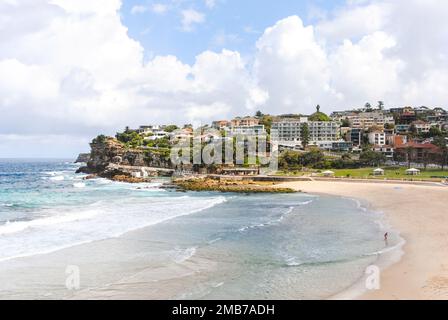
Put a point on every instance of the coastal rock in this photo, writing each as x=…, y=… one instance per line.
x=222, y=185
x=127, y=179
x=85, y=170
x=90, y=177
x=83, y=158
x=109, y=158
x=117, y=159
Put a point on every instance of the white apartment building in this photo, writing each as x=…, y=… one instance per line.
x=157, y=135
x=248, y=130
x=288, y=131
x=366, y=120
x=421, y=126
x=377, y=138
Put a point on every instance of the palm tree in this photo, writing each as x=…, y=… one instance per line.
x=409, y=152
x=305, y=135
x=442, y=144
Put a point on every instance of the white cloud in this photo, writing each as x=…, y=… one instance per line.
x=354, y=21
x=190, y=17
x=292, y=67
x=69, y=70
x=406, y=50
x=210, y=3
x=159, y=8
x=221, y=39
x=137, y=9
x=363, y=71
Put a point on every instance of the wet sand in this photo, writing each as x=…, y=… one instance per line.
x=420, y=214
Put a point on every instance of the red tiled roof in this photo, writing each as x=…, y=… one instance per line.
x=418, y=146
x=419, y=122
x=398, y=141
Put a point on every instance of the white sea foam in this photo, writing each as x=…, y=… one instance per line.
x=100, y=221
x=214, y=240
x=220, y=284
x=151, y=187
x=18, y=226
x=359, y=205
x=184, y=255
x=292, y=261
x=275, y=221
x=79, y=185
x=6, y=204
x=102, y=181
x=57, y=173
x=57, y=178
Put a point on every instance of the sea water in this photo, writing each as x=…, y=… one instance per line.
x=144, y=241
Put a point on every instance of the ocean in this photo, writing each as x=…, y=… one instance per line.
x=146, y=242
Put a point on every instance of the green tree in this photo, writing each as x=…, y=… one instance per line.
x=413, y=131
x=289, y=160
x=267, y=120
x=389, y=126
x=305, y=135
x=100, y=139
x=319, y=116
x=345, y=123
x=130, y=138
x=346, y=156
x=441, y=142
x=312, y=158
x=372, y=158
x=409, y=155
x=171, y=128
x=435, y=132
x=381, y=105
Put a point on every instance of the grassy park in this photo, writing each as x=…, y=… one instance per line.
x=391, y=173
x=367, y=173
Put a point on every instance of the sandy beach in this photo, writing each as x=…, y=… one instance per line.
x=420, y=215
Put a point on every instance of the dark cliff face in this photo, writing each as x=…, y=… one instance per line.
x=83, y=158
x=110, y=151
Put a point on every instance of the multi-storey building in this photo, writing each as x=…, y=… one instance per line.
x=366, y=120
x=355, y=136
x=387, y=150
x=148, y=129
x=402, y=128
x=418, y=152
x=377, y=138
x=221, y=124
x=248, y=130
x=342, y=146
x=407, y=116
x=289, y=131
x=245, y=122
x=421, y=126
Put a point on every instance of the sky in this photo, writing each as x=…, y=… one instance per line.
x=73, y=69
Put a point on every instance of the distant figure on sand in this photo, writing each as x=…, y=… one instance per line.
x=386, y=236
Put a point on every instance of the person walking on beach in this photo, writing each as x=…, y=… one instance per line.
x=386, y=236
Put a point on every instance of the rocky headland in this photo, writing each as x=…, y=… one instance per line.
x=111, y=159
x=229, y=185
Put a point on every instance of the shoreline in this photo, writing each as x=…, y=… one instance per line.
x=386, y=257
x=416, y=213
